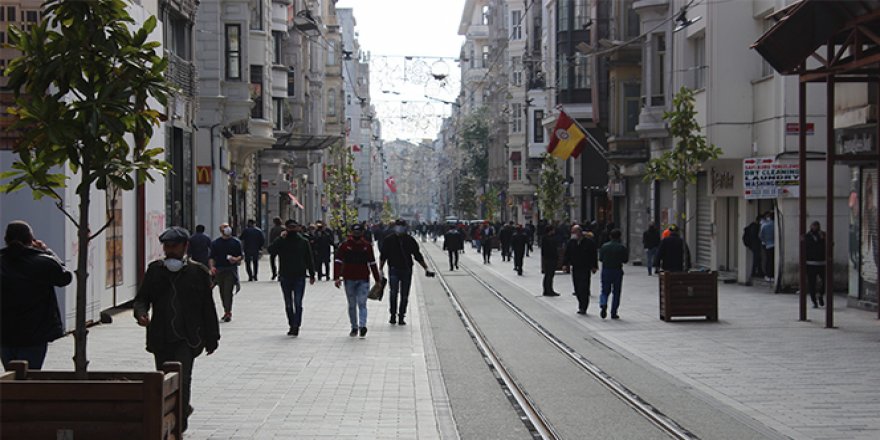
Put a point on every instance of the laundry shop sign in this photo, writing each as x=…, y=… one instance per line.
x=767, y=178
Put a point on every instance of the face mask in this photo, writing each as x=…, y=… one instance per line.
x=399, y=229
x=575, y=236
x=227, y=231
x=173, y=264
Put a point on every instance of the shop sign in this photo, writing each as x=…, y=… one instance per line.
x=855, y=140
x=725, y=177
x=203, y=175
x=766, y=178
x=617, y=188
x=794, y=128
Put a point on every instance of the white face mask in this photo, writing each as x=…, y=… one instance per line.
x=173, y=264
x=575, y=236
x=227, y=231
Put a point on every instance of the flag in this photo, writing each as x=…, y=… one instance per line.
x=356, y=148
x=295, y=201
x=392, y=185
x=567, y=139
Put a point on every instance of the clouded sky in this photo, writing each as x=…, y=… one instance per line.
x=424, y=30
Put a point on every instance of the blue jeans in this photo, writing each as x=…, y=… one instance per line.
x=399, y=280
x=356, y=291
x=33, y=354
x=612, y=280
x=293, y=306
x=650, y=254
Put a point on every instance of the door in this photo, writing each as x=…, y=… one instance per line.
x=704, y=223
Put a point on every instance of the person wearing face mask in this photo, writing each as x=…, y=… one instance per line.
x=580, y=258
x=296, y=261
x=354, y=263
x=183, y=323
x=398, y=251
x=226, y=256
x=29, y=272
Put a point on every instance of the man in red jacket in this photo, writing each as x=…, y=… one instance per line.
x=354, y=263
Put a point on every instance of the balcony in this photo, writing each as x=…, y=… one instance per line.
x=476, y=31
x=475, y=74
x=627, y=149
x=181, y=73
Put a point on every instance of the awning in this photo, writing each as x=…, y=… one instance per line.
x=515, y=156
x=305, y=142
x=295, y=201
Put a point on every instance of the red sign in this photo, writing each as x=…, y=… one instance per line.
x=793, y=128
x=203, y=175
x=264, y=184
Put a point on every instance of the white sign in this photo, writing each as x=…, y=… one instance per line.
x=765, y=178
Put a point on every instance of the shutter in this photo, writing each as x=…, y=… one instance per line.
x=868, y=242
x=704, y=223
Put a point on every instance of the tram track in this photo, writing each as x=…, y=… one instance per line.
x=528, y=409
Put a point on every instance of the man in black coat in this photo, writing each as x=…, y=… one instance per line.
x=752, y=240
x=453, y=244
x=29, y=272
x=673, y=255
x=815, y=262
x=505, y=235
x=651, y=241
x=549, y=259
x=252, y=239
x=323, y=244
x=518, y=243
x=581, y=259
x=200, y=246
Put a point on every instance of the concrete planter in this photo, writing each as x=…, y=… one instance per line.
x=689, y=294
x=108, y=405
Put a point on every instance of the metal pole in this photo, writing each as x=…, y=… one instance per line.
x=802, y=197
x=829, y=198
x=877, y=193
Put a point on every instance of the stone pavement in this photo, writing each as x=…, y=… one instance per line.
x=263, y=384
x=798, y=378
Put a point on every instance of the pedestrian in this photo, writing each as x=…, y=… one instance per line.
x=549, y=259
x=752, y=240
x=253, y=240
x=488, y=237
x=453, y=244
x=581, y=260
x=505, y=235
x=295, y=263
x=768, y=241
x=354, y=263
x=530, y=234
x=226, y=256
x=613, y=254
x=475, y=236
x=651, y=241
x=815, y=239
x=672, y=255
x=323, y=244
x=29, y=314
x=200, y=246
x=519, y=244
x=183, y=322
x=399, y=250
x=274, y=233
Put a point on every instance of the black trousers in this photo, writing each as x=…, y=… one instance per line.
x=505, y=251
x=770, y=262
x=453, y=258
x=580, y=278
x=549, y=267
x=273, y=265
x=252, y=264
x=518, y=259
x=813, y=273
x=180, y=352
x=487, y=252
x=757, y=256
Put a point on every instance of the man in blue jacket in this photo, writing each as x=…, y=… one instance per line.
x=253, y=240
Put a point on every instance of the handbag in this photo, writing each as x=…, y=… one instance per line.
x=377, y=291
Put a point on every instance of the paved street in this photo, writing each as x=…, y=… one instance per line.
x=758, y=362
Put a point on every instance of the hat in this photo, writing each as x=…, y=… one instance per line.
x=357, y=227
x=291, y=222
x=174, y=234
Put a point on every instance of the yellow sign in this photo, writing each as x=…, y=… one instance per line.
x=203, y=175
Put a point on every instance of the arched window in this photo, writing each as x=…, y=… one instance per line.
x=331, y=102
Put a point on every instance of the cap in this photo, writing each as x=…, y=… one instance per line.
x=174, y=234
x=357, y=227
x=291, y=222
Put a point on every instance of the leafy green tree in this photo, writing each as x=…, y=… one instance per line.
x=475, y=144
x=82, y=85
x=341, y=179
x=466, y=198
x=684, y=161
x=387, y=212
x=491, y=204
x=551, y=188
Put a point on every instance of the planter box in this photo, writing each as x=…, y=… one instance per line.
x=689, y=294
x=108, y=405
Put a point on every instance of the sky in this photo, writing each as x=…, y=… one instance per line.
x=427, y=32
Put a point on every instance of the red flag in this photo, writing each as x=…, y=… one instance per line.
x=295, y=201
x=392, y=185
x=356, y=148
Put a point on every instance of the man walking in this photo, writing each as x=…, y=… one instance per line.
x=29, y=315
x=505, y=235
x=816, y=262
x=274, y=233
x=453, y=244
x=518, y=243
x=399, y=250
x=226, y=256
x=651, y=241
x=580, y=259
x=295, y=254
x=183, y=323
x=672, y=255
x=768, y=241
x=613, y=255
x=200, y=246
x=487, y=234
x=323, y=240
x=549, y=259
x=354, y=264
x=253, y=240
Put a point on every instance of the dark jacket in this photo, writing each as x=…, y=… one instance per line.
x=506, y=234
x=182, y=304
x=322, y=240
x=581, y=255
x=519, y=241
x=651, y=238
x=399, y=250
x=29, y=312
x=453, y=240
x=751, y=237
x=815, y=248
x=672, y=254
x=613, y=255
x=253, y=240
x=275, y=232
x=295, y=254
x=221, y=248
x=549, y=248
x=199, y=248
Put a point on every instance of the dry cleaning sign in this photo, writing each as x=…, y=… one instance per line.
x=765, y=178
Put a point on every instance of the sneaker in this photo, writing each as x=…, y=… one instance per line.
x=291, y=332
x=603, y=313
x=401, y=321
x=393, y=320
x=582, y=312
x=353, y=332
x=551, y=294
x=363, y=331
x=821, y=301
x=226, y=317
x=615, y=317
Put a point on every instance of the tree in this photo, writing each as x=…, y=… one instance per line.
x=551, y=188
x=341, y=178
x=81, y=85
x=466, y=197
x=474, y=143
x=387, y=212
x=491, y=203
x=684, y=161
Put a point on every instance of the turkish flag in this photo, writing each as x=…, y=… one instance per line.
x=356, y=148
x=392, y=185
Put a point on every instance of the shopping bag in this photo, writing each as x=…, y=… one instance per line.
x=377, y=291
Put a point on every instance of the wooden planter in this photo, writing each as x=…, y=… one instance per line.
x=689, y=294
x=108, y=405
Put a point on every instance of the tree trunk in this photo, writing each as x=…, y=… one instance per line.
x=80, y=360
x=682, y=219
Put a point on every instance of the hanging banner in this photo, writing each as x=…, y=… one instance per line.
x=766, y=178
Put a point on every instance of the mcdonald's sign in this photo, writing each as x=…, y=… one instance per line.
x=203, y=175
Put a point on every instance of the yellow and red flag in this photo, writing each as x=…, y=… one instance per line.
x=567, y=139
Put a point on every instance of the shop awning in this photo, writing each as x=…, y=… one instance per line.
x=515, y=156
x=305, y=142
x=295, y=201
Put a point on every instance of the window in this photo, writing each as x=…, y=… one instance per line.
x=516, y=172
x=766, y=69
x=485, y=58
x=347, y=99
x=486, y=14
x=632, y=23
x=562, y=74
x=178, y=37
x=256, y=15
x=10, y=13
x=277, y=113
x=331, y=53
x=699, y=46
x=563, y=10
x=2, y=37
x=472, y=60
x=257, y=91
x=581, y=15
x=291, y=82
x=581, y=72
x=658, y=69
x=516, y=25
x=30, y=16
x=331, y=102
x=233, y=51
x=631, y=108
x=2, y=14
x=538, y=126
x=516, y=71
x=516, y=117
x=276, y=47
